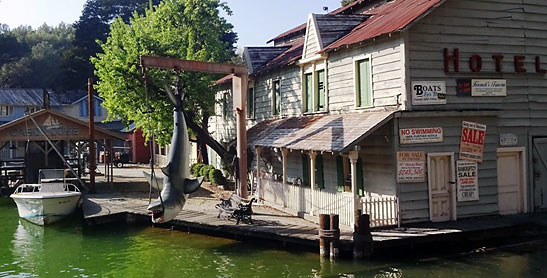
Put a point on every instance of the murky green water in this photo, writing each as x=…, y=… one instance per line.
x=68, y=249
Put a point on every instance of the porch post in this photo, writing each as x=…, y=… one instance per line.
x=258, y=179
x=353, y=156
x=284, y=154
x=313, y=154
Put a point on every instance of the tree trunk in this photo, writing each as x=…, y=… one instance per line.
x=201, y=143
x=206, y=139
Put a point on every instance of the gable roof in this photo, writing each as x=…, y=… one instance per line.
x=256, y=57
x=26, y=97
x=289, y=57
x=332, y=27
x=388, y=18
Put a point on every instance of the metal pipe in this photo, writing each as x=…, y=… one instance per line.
x=92, y=151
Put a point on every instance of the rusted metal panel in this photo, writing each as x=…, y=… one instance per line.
x=331, y=133
x=388, y=18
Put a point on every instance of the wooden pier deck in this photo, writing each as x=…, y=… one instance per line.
x=200, y=216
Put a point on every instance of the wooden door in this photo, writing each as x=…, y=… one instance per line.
x=539, y=158
x=441, y=187
x=511, y=197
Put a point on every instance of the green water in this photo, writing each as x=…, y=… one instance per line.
x=69, y=249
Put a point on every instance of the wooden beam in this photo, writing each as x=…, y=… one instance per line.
x=187, y=65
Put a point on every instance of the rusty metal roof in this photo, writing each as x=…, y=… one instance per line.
x=384, y=19
x=330, y=133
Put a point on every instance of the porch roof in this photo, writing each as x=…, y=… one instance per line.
x=330, y=133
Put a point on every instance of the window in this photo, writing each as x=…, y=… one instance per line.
x=343, y=169
x=225, y=107
x=6, y=110
x=250, y=103
x=363, y=84
x=276, y=97
x=32, y=109
x=320, y=92
x=84, y=108
x=308, y=89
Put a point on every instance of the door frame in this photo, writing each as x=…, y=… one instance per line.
x=452, y=183
x=523, y=185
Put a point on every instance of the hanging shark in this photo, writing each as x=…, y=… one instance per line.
x=176, y=184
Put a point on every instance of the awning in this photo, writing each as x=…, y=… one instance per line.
x=330, y=133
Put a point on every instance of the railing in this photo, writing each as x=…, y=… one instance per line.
x=382, y=210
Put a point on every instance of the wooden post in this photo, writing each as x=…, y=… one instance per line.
x=91, y=110
x=324, y=225
x=353, y=156
x=239, y=85
x=312, y=181
x=362, y=237
x=284, y=154
x=258, y=179
x=335, y=228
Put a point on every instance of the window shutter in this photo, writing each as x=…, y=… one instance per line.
x=305, y=170
x=365, y=90
x=319, y=176
x=321, y=106
x=308, y=91
x=360, y=181
x=340, y=173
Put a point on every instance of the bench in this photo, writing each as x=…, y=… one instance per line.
x=234, y=207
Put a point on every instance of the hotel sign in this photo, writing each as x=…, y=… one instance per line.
x=420, y=135
x=428, y=92
x=488, y=88
x=472, y=141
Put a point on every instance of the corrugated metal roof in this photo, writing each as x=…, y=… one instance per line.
x=258, y=56
x=26, y=97
x=333, y=27
x=331, y=133
x=288, y=57
x=70, y=97
x=384, y=19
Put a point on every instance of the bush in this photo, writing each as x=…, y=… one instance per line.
x=204, y=171
x=216, y=177
x=196, y=169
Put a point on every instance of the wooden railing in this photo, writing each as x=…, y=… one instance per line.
x=382, y=210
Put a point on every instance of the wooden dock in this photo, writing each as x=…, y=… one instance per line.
x=200, y=216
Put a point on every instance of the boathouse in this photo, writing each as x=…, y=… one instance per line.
x=411, y=110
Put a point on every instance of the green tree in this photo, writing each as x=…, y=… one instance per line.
x=91, y=29
x=186, y=29
x=346, y=2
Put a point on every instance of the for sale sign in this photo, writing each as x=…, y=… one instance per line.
x=410, y=167
x=472, y=141
x=467, y=182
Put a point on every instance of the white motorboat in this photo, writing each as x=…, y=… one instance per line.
x=48, y=201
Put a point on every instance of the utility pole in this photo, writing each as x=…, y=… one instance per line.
x=92, y=151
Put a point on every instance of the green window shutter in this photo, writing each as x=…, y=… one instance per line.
x=321, y=106
x=308, y=92
x=360, y=181
x=305, y=170
x=364, y=83
x=277, y=97
x=340, y=173
x=319, y=173
x=250, y=103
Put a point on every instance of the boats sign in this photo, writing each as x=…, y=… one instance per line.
x=420, y=135
x=428, y=92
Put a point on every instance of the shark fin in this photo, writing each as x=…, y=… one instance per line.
x=166, y=170
x=191, y=185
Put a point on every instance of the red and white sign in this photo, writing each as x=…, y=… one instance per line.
x=410, y=167
x=467, y=182
x=420, y=135
x=472, y=141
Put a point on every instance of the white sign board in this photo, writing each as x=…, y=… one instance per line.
x=428, y=92
x=467, y=180
x=508, y=139
x=420, y=135
x=488, y=87
x=410, y=167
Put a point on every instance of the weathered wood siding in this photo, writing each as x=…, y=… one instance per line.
x=387, y=74
x=414, y=198
x=312, y=42
x=486, y=28
x=221, y=127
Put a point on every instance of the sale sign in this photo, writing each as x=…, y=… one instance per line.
x=410, y=167
x=467, y=182
x=472, y=141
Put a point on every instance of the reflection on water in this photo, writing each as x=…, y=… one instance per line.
x=69, y=249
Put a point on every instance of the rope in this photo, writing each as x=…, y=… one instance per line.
x=152, y=171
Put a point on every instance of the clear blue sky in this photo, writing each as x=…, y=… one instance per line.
x=255, y=21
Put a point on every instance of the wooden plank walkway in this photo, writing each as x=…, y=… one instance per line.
x=200, y=216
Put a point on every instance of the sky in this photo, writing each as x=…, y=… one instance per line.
x=255, y=21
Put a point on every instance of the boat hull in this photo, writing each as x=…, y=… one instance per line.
x=44, y=209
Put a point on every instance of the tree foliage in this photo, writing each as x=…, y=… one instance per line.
x=186, y=29
x=346, y=2
x=32, y=58
x=91, y=29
